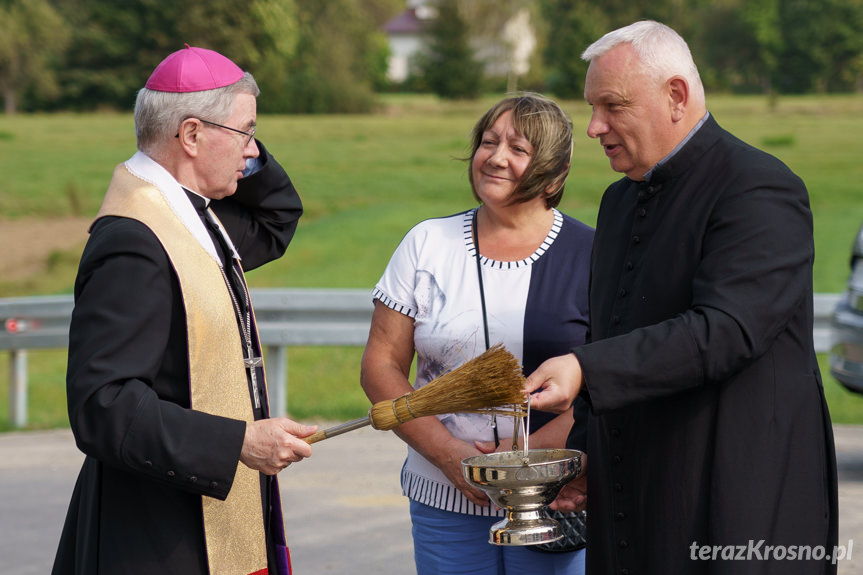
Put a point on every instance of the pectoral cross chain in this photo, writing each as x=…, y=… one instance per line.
x=242, y=306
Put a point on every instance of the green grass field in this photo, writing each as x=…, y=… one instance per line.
x=366, y=179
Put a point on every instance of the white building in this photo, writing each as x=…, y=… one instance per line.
x=507, y=55
x=405, y=34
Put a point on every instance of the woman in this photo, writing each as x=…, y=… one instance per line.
x=526, y=288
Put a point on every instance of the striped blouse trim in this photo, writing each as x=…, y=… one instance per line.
x=392, y=304
x=467, y=227
x=443, y=496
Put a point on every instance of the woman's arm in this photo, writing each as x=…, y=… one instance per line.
x=384, y=375
x=553, y=434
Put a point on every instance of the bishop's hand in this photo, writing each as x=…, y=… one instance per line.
x=270, y=445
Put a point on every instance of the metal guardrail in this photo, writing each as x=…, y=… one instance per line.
x=822, y=328
x=286, y=317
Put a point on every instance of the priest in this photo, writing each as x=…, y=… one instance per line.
x=709, y=427
x=165, y=381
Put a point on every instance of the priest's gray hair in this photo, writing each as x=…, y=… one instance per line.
x=158, y=115
x=663, y=52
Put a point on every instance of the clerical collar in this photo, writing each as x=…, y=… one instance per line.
x=146, y=168
x=199, y=201
x=677, y=148
x=201, y=205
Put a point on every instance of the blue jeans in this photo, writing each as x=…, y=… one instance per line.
x=447, y=543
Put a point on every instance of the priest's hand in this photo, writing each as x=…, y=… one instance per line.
x=573, y=495
x=270, y=445
x=558, y=380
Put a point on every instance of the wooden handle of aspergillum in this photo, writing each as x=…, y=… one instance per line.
x=337, y=430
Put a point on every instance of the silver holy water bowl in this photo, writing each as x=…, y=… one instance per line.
x=523, y=484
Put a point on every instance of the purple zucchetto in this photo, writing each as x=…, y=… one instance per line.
x=193, y=70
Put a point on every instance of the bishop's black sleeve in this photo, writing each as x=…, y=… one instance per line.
x=261, y=217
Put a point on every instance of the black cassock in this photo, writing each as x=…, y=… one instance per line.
x=128, y=391
x=709, y=425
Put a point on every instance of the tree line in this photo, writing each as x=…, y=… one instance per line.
x=326, y=56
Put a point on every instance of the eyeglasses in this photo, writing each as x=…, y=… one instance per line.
x=250, y=134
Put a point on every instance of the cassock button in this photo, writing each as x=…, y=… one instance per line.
x=636, y=239
x=615, y=432
x=629, y=265
x=193, y=479
x=624, y=572
x=171, y=473
x=618, y=487
x=148, y=463
x=615, y=320
x=214, y=484
x=617, y=459
x=621, y=516
x=623, y=544
x=622, y=292
x=642, y=212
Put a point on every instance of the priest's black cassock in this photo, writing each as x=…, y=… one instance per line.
x=709, y=424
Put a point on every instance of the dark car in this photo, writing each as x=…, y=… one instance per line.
x=846, y=351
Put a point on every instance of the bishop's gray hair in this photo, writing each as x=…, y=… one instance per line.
x=158, y=115
x=663, y=52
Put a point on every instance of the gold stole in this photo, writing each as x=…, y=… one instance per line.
x=234, y=528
